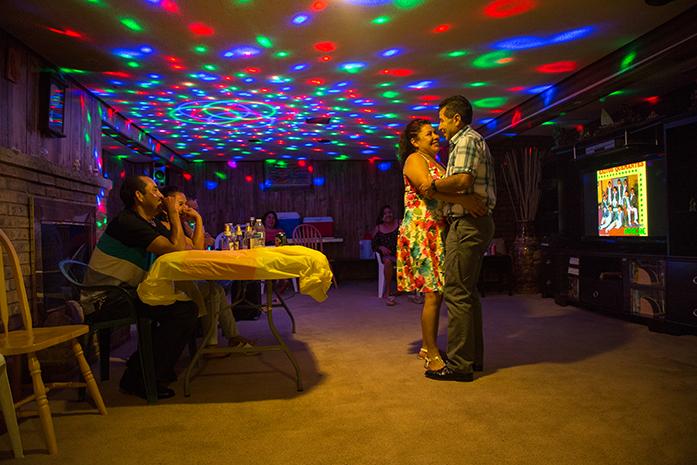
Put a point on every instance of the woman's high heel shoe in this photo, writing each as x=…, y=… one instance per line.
x=423, y=353
x=428, y=360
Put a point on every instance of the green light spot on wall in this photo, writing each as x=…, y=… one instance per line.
x=617, y=92
x=131, y=24
x=457, y=53
x=198, y=160
x=264, y=41
x=385, y=84
x=270, y=161
x=549, y=123
x=390, y=94
x=342, y=157
x=381, y=20
x=210, y=67
x=407, y=4
x=220, y=175
x=133, y=64
x=72, y=71
x=478, y=84
x=87, y=138
x=201, y=49
x=627, y=60
x=282, y=54
x=493, y=59
x=489, y=102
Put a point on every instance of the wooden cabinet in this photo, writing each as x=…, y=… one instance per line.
x=681, y=292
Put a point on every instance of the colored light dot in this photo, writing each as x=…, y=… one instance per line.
x=407, y=4
x=489, y=102
x=210, y=67
x=201, y=29
x=381, y=20
x=301, y=18
x=477, y=84
x=627, y=60
x=200, y=49
x=319, y=5
x=457, y=53
x=133, y=64
x=491, y=60
x=390, y=94
x=264, y=41
x=282, y=54
x=441, y=28
x=325, y=46
x=131, y=24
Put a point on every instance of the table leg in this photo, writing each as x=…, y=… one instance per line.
x=274, y=331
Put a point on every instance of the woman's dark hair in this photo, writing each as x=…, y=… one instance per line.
x=382, y=213
x=130, y=186
x=457, y=105
x=275, y=218
x=410, y=132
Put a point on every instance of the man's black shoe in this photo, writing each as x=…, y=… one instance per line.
x=137, y=389
x=446, y=374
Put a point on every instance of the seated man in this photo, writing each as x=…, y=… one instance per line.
x=122, y=257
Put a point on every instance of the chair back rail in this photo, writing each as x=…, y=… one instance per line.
x=309, y=236
x=16, y=270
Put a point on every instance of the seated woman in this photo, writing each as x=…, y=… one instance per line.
x=385, y=244
x=270, y=220
x=212, y=292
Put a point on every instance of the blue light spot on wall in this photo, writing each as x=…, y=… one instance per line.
x=521, y=43
x=299, y=67
x=573, y=34
x=301, y=18
x=421, y=85
x=384, y=165
x=390, y=52
x=318, y=181
x=538, y=89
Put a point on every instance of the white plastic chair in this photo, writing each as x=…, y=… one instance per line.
x=381, y=275
x=8, y=411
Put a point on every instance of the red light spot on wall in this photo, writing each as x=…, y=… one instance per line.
x=399, y=72
x=441, y=28
x=201, y=29
x=248, y=178
x=67, y=32
x=119, y=74
x=506, y=8
x=325, y=58
x=311, y=169
x=252, y=70
x=186, y=176
x=653, y=100
x=516, y=89
x=301, y=163
x=318, y=5
x=316, y=81
x=325, y=46
x=517, y=115
x=557, y=67
x=169, y=6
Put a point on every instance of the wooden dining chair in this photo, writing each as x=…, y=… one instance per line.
x=29, y=340
x=8, y=411
x=309, y=236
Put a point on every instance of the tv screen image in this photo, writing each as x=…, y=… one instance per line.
x=622, y=199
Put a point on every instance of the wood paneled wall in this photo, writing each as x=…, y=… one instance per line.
x=352, y=194
x=20, y=105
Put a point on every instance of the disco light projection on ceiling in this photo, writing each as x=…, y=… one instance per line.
x=226, y=93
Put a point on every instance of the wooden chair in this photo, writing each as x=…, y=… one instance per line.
x=30, y=340
x=74, y=272
x=8, y=411
x=309, y=236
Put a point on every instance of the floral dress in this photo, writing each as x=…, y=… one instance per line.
x=420, y=253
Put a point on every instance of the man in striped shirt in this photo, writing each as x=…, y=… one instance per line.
x=470, y=170
x=122, y=257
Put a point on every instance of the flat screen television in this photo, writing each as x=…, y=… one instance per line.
x=625, y=201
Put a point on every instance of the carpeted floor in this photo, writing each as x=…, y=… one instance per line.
x=561, y=386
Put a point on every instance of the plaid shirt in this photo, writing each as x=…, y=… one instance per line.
x=469, y=154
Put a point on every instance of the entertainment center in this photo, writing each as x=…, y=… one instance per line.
x=636, y=258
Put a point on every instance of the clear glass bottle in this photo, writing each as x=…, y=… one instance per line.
x=259, y=234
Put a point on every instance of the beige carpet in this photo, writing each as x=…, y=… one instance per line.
x=561, y=386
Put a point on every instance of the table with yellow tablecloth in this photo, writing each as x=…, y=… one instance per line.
x=164, y=283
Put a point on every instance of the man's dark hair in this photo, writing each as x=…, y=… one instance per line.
x=130, y=186
x=457, y=105
x=170, y=190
